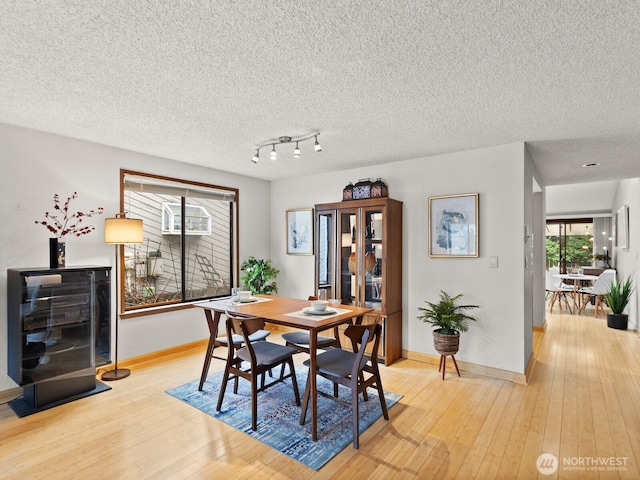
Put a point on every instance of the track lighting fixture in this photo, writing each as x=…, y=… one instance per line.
x=283, y=140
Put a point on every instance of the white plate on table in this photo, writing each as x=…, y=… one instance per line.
x=247, y=300
x=310, y=311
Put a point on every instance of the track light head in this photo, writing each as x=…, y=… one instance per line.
x=296, y=151
x=256, y=157
x=316, y=146
x=274, y=154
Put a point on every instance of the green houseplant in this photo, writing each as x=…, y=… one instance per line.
x=259, y=276
x=618, y=298
x=449, y=318
x=599, y=259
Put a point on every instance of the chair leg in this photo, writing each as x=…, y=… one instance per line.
x=254, y=402
x=383, y=400
x=305, y=399
x=554, y=297
x=583, y=303
x=566, y=302
x=294, y=381
x=599, y=306
x=364, y=392
x=354, y=413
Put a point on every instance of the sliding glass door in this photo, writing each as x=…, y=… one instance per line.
x=569, y=244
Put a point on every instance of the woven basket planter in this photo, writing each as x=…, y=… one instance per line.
x=446, y=344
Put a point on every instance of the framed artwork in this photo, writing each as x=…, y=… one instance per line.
x=453, y=226
x=623, y=227
x=300, y=231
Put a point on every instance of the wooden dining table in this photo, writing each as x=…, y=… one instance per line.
x=288, y=312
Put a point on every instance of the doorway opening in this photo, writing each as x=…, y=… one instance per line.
x=572, y=244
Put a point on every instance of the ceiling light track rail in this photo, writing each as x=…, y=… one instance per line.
x=285, y=140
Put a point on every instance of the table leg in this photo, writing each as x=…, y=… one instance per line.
x=313, y=342
x=212, y=322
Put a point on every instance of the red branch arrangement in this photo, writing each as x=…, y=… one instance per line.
x=60, y=223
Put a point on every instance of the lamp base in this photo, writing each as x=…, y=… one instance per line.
x=115, y=374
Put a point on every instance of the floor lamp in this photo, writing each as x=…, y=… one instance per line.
x=119, y=231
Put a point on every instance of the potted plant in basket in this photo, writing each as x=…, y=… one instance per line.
x=618, y=298
x=259, y=276
x=450, y=319
x=599, y=259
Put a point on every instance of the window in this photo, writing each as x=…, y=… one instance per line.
x=178, y=261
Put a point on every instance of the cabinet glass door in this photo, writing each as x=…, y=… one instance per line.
x=348, y=263
x=372, y=259
x=325, y=253
x=58, y=335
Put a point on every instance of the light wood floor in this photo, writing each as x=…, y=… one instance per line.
x=582, y=405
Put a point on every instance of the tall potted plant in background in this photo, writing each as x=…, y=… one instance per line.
x=259, y=276
x=618, y=298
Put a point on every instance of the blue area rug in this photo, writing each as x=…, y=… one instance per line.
x=279, y=416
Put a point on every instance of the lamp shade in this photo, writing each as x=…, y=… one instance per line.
x=123, y=230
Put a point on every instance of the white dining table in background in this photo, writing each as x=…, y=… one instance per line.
x=579, y=280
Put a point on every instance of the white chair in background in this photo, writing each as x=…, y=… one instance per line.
x=557, y=292
x=557, y=281
x=600, y=287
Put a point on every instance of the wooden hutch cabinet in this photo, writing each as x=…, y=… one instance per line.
x=358, y=251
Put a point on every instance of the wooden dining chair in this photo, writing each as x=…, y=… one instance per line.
x=261, y=357
x=222, y=341
x=354, y=370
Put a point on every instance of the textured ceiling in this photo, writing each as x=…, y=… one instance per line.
x=206, y=82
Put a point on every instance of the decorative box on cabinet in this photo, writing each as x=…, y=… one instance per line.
x=58, y=331
x=358, y=250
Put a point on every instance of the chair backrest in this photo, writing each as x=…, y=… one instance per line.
x=556, y=281
x=549, y=281
x=360, y=336
x=603, y=282
x=244, y=326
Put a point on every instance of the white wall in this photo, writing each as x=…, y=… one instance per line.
x=626, y=259
x=497, y=174
x=38, y=165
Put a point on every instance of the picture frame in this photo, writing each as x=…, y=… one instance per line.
x=622, y=236
x=454, y=226
x=300, y=231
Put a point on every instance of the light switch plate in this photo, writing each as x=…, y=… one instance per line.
x=493, y=262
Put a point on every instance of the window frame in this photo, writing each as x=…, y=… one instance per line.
x=136, y=311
